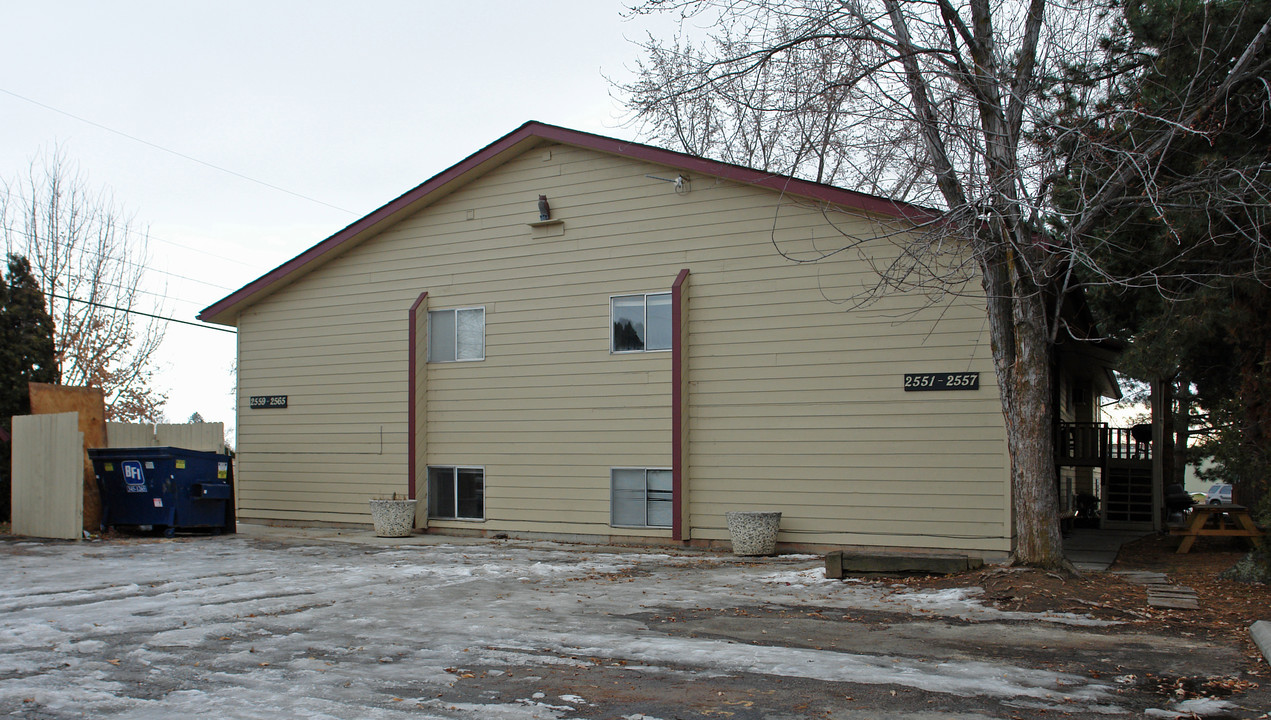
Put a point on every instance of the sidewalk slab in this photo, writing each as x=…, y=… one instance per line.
x=1261, y=631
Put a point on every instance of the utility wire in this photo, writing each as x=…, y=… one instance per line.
x=162, y=297
x=226, y=258
x=174, y=152
x=129, y=263
x=146, y=314
x=147, y=236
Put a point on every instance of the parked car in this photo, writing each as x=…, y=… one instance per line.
x=1218, y=494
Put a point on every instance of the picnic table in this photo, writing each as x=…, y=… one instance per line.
x=1228, y=520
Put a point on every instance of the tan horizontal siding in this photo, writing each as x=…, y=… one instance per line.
x=308, y=513
x=787, y=379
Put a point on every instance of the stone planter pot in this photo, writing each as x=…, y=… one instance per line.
x=753, y=533
x=393, y=518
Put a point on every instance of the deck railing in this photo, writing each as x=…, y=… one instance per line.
x=1092, y=444
x=1122, y=445
x=1082, y=444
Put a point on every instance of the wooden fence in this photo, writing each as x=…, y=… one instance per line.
x=53, y=497
x=48, y=476
x=208, y=437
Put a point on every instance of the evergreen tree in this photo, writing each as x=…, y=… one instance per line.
x=26, y=353
x=1201, y=321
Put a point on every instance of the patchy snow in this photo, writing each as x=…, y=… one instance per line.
x=496, y=711
x=1196, y=707
x=264, y=630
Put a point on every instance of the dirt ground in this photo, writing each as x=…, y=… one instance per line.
x=280, y=623
x=1227, y=608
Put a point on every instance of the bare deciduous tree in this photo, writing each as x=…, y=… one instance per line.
x=958, y=104
x=90, y=260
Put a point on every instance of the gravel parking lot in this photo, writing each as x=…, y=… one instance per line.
x=287, y=624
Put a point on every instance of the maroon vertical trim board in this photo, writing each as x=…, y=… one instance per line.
x=677, y=411
x=410, y=395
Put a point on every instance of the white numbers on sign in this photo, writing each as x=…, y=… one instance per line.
x=942, y=381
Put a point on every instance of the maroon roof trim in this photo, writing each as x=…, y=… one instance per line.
x=532, y=131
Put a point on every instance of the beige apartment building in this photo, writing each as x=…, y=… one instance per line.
x=568, y=335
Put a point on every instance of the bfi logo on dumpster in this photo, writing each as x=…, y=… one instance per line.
x=134, y=478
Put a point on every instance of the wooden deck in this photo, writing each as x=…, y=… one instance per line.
x=1125, y=467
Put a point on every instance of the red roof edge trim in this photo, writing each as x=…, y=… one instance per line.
x=534, y=129
x=404, y=200
x=738, y=173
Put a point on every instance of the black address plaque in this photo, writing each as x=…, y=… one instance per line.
x=942, y=381
x=263, y=402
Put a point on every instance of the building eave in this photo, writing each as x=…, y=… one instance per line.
x=226, y=310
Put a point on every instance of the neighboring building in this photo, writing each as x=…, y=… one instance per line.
x=643, y=360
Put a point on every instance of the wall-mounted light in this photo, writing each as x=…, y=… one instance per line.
x=544, y=210
x=681, y=183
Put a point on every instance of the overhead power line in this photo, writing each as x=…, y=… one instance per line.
x=129, y=263
x=145, y=314
x=191, y=158
x=148, y=236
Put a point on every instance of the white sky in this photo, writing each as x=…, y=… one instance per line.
x=347, y=103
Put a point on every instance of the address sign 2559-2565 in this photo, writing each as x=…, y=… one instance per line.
x=261, y=402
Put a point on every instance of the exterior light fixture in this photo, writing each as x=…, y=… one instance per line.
x=544, y=211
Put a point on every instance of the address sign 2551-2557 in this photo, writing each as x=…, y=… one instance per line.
x=942, y=381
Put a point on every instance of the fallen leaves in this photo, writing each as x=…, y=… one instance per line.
x=460, y=673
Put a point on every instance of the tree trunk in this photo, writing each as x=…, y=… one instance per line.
x=1181, y=435
x=1021, y=357
x=1030, y=438
x=1167, y=438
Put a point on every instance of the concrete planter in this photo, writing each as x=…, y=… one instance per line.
x=393, y=518
x=753, y=533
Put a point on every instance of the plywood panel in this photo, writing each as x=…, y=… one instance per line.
x=90, y=407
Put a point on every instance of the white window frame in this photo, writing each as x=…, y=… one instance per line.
x=613, y=504
x=455, y=312
x=645, y=307
x=455, y=480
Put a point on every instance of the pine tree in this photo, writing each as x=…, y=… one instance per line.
x=26, y=353
x=1201, y=320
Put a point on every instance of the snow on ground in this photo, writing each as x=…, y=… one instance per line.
x=1196, y=707
x=266, y=630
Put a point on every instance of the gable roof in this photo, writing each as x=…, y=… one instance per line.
x=527, y=136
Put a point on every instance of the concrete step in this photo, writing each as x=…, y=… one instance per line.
x=839, y=563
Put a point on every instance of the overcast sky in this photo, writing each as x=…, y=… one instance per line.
x=349, y=104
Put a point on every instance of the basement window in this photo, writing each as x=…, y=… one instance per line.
x=640, y=322
x=456, y=335
x=456, y=493
x=640, y=497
